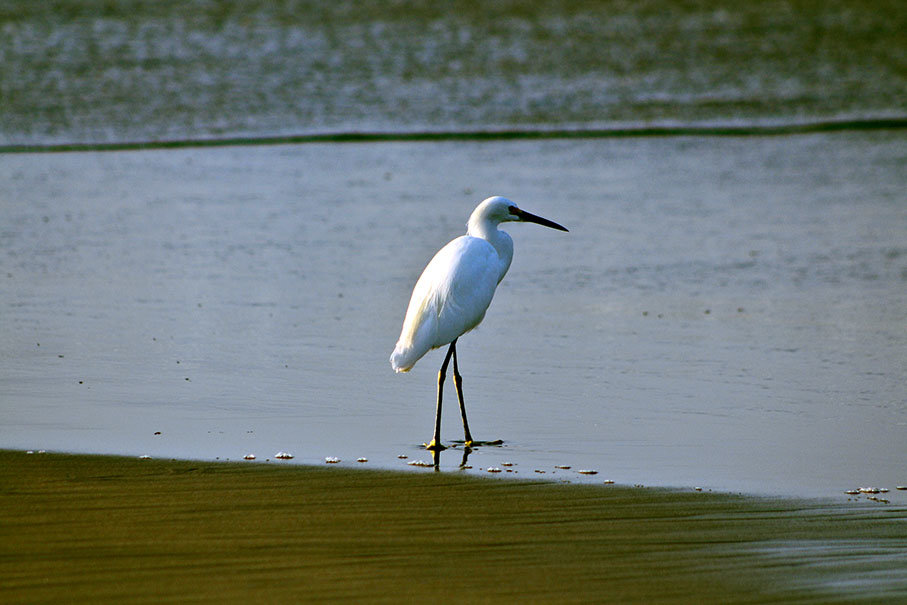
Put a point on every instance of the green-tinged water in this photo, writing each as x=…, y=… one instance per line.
x=93, y=71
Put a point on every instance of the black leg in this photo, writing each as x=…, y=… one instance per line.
x=442, y=373
x=458, y=383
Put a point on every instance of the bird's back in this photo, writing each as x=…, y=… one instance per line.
x=449, y=299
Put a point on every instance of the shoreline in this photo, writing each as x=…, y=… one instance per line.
x=96, y=528
x=568, y=475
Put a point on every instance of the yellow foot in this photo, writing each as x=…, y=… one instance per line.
x=471, y=443
x=434, y=446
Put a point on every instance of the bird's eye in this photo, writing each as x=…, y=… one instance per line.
x=513, y=210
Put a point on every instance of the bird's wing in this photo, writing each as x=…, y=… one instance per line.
x=450, y=298
x=468, y=287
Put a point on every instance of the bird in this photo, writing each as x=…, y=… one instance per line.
x=453, y=293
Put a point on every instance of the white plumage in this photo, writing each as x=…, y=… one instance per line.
x=454, y=291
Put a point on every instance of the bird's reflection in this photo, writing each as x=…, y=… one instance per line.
x=464, y=462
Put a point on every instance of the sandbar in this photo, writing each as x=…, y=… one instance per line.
x=82, y=528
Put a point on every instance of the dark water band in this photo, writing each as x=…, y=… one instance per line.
x=708, y=130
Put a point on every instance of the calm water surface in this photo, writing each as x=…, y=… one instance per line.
x=725, y=313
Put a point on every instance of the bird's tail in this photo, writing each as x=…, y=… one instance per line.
x=402, y=359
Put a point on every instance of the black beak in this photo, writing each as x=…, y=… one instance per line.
x=531, y=218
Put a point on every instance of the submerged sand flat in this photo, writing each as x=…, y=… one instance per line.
x=106, y=529
x=725, y=312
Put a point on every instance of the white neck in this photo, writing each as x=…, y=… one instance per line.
x=503, y=244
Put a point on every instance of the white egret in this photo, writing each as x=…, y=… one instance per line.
x=453, y=293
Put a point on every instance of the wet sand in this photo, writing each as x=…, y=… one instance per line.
x=96, y=529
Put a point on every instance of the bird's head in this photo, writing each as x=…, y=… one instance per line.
x=497, y=209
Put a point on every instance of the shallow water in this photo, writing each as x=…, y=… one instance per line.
x=725, y=313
